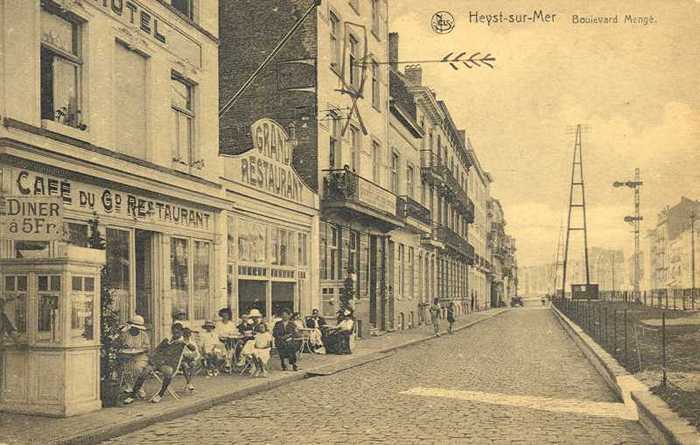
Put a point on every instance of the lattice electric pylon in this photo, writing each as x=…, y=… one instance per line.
x=577, y=190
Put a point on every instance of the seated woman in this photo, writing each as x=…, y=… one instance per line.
x=190, y=359
x=337, y=340
x=226, y=328
x=133, y=357
x=317, y=324
x=211, y=347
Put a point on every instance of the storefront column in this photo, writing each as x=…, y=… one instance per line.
x=268, y=299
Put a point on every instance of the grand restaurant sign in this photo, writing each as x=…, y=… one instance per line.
x=268, y=166
x=106, y=201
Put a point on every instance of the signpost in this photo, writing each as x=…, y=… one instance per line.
x=31, y=218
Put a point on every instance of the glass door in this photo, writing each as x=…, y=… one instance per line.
x=144, y=274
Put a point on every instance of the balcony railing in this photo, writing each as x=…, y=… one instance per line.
x=346, y=186
x=453, y=240
x=436, y=171
x=409, y=208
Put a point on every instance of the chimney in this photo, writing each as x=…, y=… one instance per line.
x=394, y=50
x=414, y=74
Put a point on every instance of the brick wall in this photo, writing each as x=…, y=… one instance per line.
x=284, y=91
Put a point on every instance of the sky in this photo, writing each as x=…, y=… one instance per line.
x=635, y=87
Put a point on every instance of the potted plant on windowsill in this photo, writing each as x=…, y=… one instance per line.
x=68, y=116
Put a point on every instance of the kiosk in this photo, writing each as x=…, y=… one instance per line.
x=50, y=341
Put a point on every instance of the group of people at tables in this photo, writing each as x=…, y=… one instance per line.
x=225, y=346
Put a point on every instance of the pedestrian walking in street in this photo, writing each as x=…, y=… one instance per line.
x=435, y=311
x=285, y=333
x=451, y=316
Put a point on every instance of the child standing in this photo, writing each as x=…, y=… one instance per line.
x=261, y=352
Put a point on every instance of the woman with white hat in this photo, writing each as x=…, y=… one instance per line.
x=136, y=344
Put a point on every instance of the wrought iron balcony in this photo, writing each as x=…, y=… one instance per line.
x=347, y=192
x=408, y=209
x=454, y=241
x=436, y=172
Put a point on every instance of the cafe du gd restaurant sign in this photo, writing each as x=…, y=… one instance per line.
x=36, y=188
x=268, y=165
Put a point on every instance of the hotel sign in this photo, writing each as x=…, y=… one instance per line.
x=34, y=218
x=268, y=165
x=74, y=195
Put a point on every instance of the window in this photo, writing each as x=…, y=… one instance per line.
x=82, y=310
x=201, y=279
x=183, y=123
x=353, y=62
x=78, y=234
x=118, y=267
x=376, y=17
x=61, y=65
x=303, y=249
x=130, y=101
x=335, y=41
x=334, y=147
x=376, y=161
x=394, y=172
x=356, y=147
x=15, y=300
x=353, y=258
x=402, y=274
x=330, y=266
x=411, y=273
x=252, y=242
x=376, y=92
x=410, y=181
x=48, y=322
x=185, y=7
x=179, y=275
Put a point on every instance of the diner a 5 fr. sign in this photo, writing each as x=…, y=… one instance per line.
x=31, y=218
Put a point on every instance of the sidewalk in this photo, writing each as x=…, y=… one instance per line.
x=109, y=422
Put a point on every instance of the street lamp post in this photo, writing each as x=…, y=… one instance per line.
x=635, y=221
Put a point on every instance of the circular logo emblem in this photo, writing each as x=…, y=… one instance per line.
x=442, y=22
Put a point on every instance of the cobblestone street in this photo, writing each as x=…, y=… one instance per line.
x=516, y=378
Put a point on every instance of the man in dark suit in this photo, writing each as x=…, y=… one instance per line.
x=286, y=335
x=315, y=321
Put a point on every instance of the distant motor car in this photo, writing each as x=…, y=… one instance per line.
x=517, y=301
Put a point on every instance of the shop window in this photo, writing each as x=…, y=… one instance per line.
x=61, y=67
x=303, y=249
x=330, y=256
x=252, y=242
x=49, y=289
x=335, y=41
x=185, y=7
x=82, y=310
x=201, y=279
x=14, y=299
x=181, y=103
x=118, y=252
x=328, y=300
x=130, y=101
x=376, y=91
x=78, y=234
x=179, y=275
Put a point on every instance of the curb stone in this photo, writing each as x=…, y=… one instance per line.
x=657, y=418
x=107, y=432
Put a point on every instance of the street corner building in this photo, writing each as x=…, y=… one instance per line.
x=110, y=109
